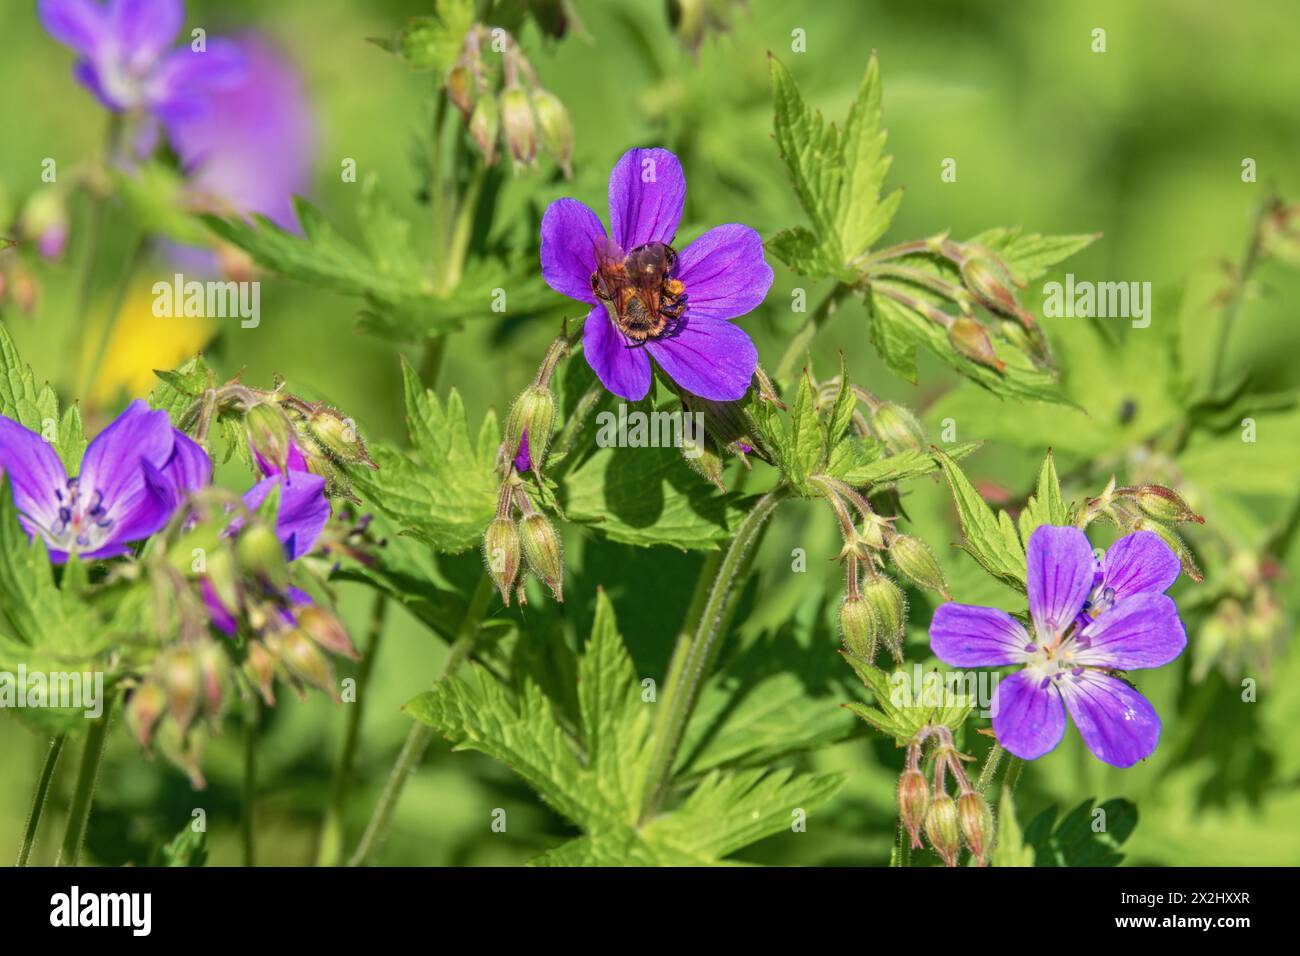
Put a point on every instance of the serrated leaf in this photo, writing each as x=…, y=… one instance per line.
x=1028, y=256
x=990, y=539
x=1045, y=506
x=900, y=709
x=433, y=42
x=1010, y=848
x=807, y=436
x=20, y=399
x=906, y=464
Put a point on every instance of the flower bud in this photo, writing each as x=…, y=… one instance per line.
x=185, y=750
x=181, y=678
x=484, y=125
x=856, y=630
x=968, y=337
x=888, y=612
x=916, y=562
x=501, y=552
x=270, y=434
x=261, y=553
x=556, y=129
x=976, y=819
x=913, y=801
x=214, y=671
x=460, y=88
x=223, y=576
x=143, y=710
x=519, y=125
x=305, y=661
x=259, y=668
x=1163, y=504
x=529, y=425
x=897, y=428
x=327, y=631
x=701, y=455
x=942, y=829
x=542, y=549
x=337, y=437
x=989, y=282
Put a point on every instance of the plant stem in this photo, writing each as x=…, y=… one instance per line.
x=1014, y=766
x=84, y=794
x=418, y=738
x=105, y=336
x=1233, y=306
x=38, y=798
x=695, y=651
x=463, y=229
x=800, y=341
x=990, y=768
x=247, y=820
x=330, y=848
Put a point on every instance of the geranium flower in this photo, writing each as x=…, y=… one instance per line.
x=131, y=479
x=126, y=59
x=722, y=275
x=1087, y=622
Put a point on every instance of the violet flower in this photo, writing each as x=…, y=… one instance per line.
x=132, y=477
x=126, y=58
x=1087, y=622
x=718, y=277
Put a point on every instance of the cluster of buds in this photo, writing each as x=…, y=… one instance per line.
x=508, y=108
x=515, y=545
x=1147, y=507
x=947, y=823
x=1247, y=624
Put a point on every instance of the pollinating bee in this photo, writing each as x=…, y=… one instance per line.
x=645, y=300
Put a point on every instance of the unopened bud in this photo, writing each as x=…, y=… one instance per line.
x=305, y=661
x=501, y=552
x=916, y=562
x=484, y=126
x=913, y=801
x=143, y=710
x=327, y=631
x=976, y=819
x=897, y=428
x=968, y=337
x=856, y=630
x=214, y=670
x=259, y=668
x=337, y=437
x=270, y=434
x=1163, y=504
x=542, y=549
x=887, y=607
x=941, y=828
x=460, y=88
x=519, y=125
x=262, y=553
x=181, y=678
x=556, y=129
x=990, y=284
x=529, y=425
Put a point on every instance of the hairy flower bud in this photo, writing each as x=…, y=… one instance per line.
x=143, y=710
x=305, y=661
x=897, y=428
x=337, y=437
x=501, y=553
x=327, y=631
x=1163, y=504
x=976, y=819
x=942, y=829
x=181, y=679
x=969, y=338
x=556, y=129
x=529, y=425
x=913, y=801
x=856, y=628
x=259, y=668
x=916, y=562
x=460, y=88
x=214, y=671
x=542, y=549
x=484, y=127
x=887, y=607
x=261, y=553
x=519, y=125
x=986, y=278
x=270, y=434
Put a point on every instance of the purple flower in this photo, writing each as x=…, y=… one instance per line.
x=132, y=477
x=718, y=277
x=1087, y=622
x=126, y=60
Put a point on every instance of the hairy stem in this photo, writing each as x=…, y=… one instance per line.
x=247, y=817
x=38, y=798
x=990, y=768
x=417, y=740
x=695, y=651
x=84, y=794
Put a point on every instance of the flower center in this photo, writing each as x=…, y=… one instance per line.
x=1055, y=656
x=83, y=523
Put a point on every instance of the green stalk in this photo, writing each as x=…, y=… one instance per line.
x=695, y=652
x=1233, y=307
x=247, y=821
x=463, y=229
x=84, y=794
x=38, y=798
x=420, y=735
x=330, y=849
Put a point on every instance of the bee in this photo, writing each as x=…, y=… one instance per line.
x=647, y=302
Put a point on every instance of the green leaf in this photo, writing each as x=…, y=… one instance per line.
x=1010, y=848
x=187, y=848
x=20, y=399
x=902, y=466
x=71, y=444
x=901, y=710
x=1045, y=506
x=991, y=539
x=434, y=42
x=1086, y=836
x=444, y=491
x=1028, y=256
x=807, y=443
x=177, y=389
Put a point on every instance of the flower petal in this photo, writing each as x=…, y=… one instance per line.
x=218, y=613
x=1143, y=631
x=79, y=24
x=708, y=357
x=304, y=509
x=623, y=370
x=965, y=635
x=724, y=272
x=1117, y=723
x=143, y=29
x=570, y=232
x=112, y=466
x=1027, y=716
x=179, y=88
x=34, y=471
x=1140, y=562
x=1061, y=570
x=646, y=194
